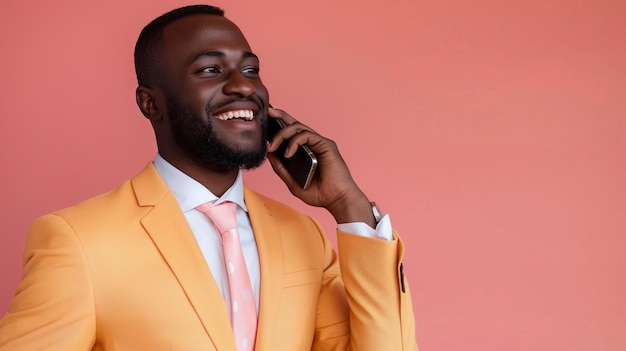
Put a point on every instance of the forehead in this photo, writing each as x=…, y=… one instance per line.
x=203, y=32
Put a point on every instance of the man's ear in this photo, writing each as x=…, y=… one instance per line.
x=147, y=102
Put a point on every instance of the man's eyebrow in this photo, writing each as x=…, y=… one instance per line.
x=250, y=54
x=245, y=54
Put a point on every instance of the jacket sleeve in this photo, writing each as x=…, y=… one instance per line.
x=53, y=304
x=372, y=293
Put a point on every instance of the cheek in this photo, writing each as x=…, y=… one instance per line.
x=207, y=92
x=200, y=94
x=262, y=91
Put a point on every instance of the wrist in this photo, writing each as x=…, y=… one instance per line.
x=356, y=208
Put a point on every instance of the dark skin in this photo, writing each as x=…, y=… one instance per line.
x=206, y=61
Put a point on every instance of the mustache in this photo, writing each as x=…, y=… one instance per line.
x=216, y=106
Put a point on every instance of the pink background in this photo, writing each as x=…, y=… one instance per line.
x=493, y=131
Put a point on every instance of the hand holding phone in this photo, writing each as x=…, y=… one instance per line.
x=333, y=187
x=302, y=165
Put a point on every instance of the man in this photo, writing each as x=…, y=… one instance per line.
x=142, y=267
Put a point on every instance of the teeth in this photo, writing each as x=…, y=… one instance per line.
x=248, y=115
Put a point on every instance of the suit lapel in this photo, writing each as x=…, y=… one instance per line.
x=268, y=240
x=166, y=225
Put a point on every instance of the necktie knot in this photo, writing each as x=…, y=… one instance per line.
x=223, y=215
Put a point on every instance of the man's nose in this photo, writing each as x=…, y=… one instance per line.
x=238, y=84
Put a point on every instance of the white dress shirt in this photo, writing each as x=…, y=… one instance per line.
x=189, y=194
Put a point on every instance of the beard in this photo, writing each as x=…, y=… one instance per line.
x=205, y=147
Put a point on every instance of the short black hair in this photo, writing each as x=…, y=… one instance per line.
x=151, y=36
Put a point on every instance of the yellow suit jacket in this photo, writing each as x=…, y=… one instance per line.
x=123, y=272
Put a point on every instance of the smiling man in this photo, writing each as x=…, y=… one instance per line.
x=151, y=265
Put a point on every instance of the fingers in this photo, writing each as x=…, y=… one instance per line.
x=296, y=136
x=276, y=113
x=294, y=132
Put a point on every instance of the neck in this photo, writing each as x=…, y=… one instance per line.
x=217, y=181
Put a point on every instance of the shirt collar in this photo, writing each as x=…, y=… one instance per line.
x=189, y=193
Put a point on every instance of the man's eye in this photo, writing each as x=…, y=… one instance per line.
x=250, y=70
x=211, y=69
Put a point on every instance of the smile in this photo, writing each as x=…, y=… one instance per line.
x=247, y=115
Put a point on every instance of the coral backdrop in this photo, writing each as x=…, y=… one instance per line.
x=494, y=132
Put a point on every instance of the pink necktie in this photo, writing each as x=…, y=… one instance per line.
x=243, y=309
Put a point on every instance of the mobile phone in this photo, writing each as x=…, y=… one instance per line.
x=302, y=164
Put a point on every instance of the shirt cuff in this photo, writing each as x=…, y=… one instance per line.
x=383, y=230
